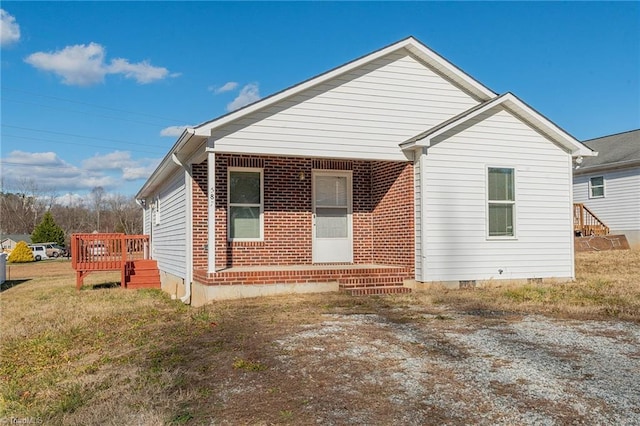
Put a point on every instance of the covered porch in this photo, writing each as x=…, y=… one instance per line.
x=345, y=224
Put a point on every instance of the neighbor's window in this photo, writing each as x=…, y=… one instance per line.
x=501, y=202
x=245, y=204
x=596, y=187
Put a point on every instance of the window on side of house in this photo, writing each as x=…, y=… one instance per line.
x=596, y=187
x=501, y=202
x=245, y=204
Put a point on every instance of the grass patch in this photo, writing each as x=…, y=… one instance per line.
x=242, y=364
x=105, y=353
x=607, y=285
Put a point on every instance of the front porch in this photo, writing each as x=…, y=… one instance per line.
x=253, y=281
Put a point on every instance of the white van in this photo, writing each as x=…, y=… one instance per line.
x=39, y=251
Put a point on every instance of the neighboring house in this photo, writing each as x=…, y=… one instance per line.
x=609, y=184
x=8, y=242
x=395, y=167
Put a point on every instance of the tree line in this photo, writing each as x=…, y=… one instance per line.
x=24, y=207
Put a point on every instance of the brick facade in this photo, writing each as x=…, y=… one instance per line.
x=382, y=212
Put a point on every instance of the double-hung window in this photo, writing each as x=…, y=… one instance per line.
x=501, y=202
x=245, y=204
x=596, y=187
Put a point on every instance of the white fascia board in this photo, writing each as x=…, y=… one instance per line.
x=166, y=166
x=449, y=69
x=411, y=44
x=574, y=146
x=522, y=110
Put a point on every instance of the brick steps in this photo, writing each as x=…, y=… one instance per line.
x=367, y=291
x=356, y=280
x=143, y=274
x=362, y=286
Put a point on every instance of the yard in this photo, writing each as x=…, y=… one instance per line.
x=536, y=354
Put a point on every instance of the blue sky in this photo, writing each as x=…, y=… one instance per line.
x=90, y=88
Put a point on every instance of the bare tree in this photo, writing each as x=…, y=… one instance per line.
x=126, y=214
x=21, y=207
x=97, y=198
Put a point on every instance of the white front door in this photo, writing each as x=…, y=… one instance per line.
x=332, y=225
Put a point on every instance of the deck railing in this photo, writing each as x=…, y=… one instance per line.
x=106, y=252
x=586, y=223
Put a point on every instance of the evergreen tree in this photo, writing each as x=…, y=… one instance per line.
x=47, y=231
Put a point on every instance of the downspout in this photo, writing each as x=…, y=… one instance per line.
x=572, y=233
x=188, y=207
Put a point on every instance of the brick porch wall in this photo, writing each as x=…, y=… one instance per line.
x=393, y=214
x=287, y=212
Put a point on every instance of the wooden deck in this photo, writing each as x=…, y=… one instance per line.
x=128, y=254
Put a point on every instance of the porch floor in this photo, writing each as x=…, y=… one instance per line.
x=357, y=279
x=313, y=267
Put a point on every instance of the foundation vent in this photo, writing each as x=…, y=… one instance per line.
x=467, y=283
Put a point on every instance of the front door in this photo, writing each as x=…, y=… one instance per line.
x=332, y=225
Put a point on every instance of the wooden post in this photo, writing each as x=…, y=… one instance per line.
x=124, y=251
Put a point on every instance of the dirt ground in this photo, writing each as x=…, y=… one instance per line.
x=332, y=359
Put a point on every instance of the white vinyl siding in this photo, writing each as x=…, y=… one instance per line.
x=619, y=209
x=146, y=220
x=363, y=114
x=456, y=243
x=169, y=236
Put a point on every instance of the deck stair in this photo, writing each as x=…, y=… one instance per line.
x=142, y=273
x=586, y=223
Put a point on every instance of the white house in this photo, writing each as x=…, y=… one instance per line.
x=394, y=169
x=609, y=184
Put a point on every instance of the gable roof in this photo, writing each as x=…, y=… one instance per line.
x=614, y=151
x=193, y=138
x=422, y=52
x=516, y=106
x=16, y=237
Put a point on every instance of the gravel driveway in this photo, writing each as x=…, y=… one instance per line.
x=471, y=368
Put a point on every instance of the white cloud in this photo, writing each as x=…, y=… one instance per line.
x=9, y=29
x=69, y=200
x=143, y=72
x=81, y=65
x=249, y=94
x=173, y=131
x=48, y=171
x=84, y=65
x=227, y=87
x=122, y=162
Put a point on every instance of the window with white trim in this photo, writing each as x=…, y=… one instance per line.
x=596, y=187
x=245, y=204
x=501, y=202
